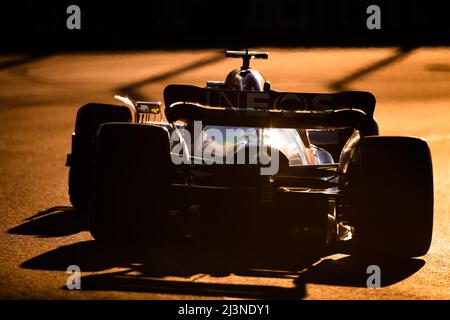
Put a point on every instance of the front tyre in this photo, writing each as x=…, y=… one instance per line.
x=89, y=119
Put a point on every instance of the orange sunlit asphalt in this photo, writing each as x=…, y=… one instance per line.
x=39, y=98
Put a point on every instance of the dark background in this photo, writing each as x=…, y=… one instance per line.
x=41, y=25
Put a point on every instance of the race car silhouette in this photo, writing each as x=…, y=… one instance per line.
x=239, y=164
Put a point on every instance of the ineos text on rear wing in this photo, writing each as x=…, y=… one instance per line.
x=268, y=109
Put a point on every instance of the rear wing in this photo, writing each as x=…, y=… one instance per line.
x=268, y=109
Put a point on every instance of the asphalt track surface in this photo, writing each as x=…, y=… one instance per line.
x=40, y=234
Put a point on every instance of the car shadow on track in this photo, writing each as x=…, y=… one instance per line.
x=180, y=270
x=346, y=272
x=186, y=269
x=54, y=222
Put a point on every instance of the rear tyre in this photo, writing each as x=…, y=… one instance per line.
x=132, y=169
x=394, y=197
x=89, y=118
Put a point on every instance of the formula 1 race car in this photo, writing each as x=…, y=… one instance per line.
x=237, y=163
